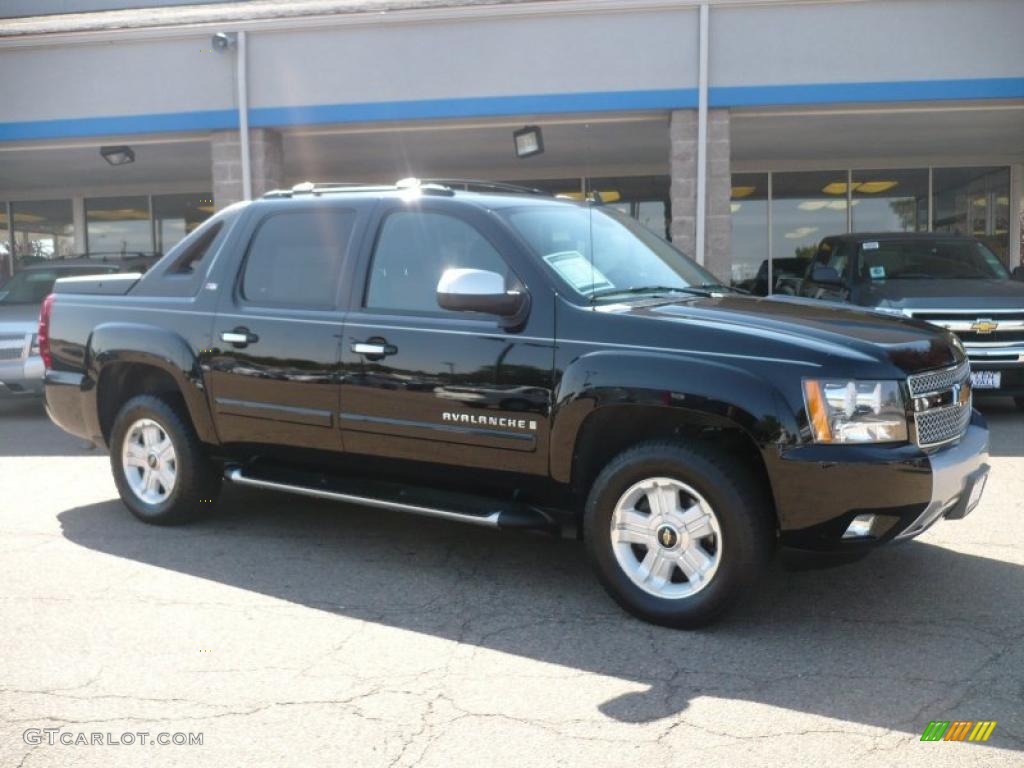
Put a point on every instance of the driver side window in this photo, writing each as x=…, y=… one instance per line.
x=413, y=250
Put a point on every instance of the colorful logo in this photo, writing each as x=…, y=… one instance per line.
x=958, y=730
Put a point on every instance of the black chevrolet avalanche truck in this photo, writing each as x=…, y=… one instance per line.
x=476, y=353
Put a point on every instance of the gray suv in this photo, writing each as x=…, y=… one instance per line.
x=21, y=367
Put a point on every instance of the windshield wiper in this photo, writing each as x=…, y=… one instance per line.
x=654, y=290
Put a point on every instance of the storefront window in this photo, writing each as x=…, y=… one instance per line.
x=749, y=206
x=806, y=207
x=890, y=201
x=118, y=225
x=43, y=229
x=174, y=216
x=974, y=201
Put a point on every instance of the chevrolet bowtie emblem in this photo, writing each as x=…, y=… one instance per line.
x=984, y=326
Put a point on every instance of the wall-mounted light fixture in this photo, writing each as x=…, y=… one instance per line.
x=118, y=155
x=529, y=141
x=224, y=41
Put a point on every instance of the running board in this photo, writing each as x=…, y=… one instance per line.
x=463, y=508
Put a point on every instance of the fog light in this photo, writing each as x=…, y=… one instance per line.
x=859, y=527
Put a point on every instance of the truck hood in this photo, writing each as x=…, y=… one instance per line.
x=944, y=294
x=809, y=328
x=19, y=318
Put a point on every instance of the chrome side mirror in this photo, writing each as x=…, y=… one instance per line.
x=478, y=290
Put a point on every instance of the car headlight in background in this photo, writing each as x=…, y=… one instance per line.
x=33, y=348
x=843, y=411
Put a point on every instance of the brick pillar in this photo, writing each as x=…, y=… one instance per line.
x=683, y=190
x=267, y=164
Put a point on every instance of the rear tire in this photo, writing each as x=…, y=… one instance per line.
x=160, y=467
x=1020, y=402
x=692, y=532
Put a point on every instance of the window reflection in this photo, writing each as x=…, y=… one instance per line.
x=890, y=201
x=749, y=205
x=806, y=207
x=974, y=201
x=118, y=225
x=43, y=229
x=174, y=216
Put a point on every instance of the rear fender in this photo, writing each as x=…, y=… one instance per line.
x=112, y=343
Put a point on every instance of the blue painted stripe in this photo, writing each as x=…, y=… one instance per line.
x=487, y=106
x=838, y=93
x=539, y=104
x=104, y=126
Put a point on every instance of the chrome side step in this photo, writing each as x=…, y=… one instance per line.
x=479, y=511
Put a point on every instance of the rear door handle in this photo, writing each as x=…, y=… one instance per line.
x=239, y=337
x=374, y=348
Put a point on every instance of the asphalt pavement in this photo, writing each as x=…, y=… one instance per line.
x=285, y=631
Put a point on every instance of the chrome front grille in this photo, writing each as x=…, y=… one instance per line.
x=940, y=425
x=939, y=381
x=12, y=346
x=942, y=404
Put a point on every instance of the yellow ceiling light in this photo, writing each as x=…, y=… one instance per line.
x=28, y=218
x=835, y=188
x=119, y=214
x=742, y=191
x=205, y=208
x=607, y=196
x=874, y=187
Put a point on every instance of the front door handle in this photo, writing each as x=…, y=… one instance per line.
x=374, y=348
x=239, y=337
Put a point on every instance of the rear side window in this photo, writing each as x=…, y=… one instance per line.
x=196, y=251
x=295, y=258
x=414, y=249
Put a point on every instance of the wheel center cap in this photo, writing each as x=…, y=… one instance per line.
x=152, y=461
x=668, y=536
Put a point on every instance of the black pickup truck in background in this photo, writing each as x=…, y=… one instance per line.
x=952, y=281
x=511, y=360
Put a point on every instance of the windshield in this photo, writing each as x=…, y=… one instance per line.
x=31, y=286
x=603, y=254
x=929, y=259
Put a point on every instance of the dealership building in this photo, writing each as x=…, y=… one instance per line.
x=744, y=130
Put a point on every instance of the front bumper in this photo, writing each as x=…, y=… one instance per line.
x=19, y=378
x=820, y=490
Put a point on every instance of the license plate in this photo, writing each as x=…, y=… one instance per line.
x=986, y=379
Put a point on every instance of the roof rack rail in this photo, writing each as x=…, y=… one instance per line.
x=437, y=186
x=318, y=188
x=479, y=185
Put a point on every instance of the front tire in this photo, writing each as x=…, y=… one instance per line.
x=1020, y=402
x=677, y=533
x=160, y=467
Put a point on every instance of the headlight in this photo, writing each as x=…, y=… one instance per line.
x=33, y=347
x=855, y=411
